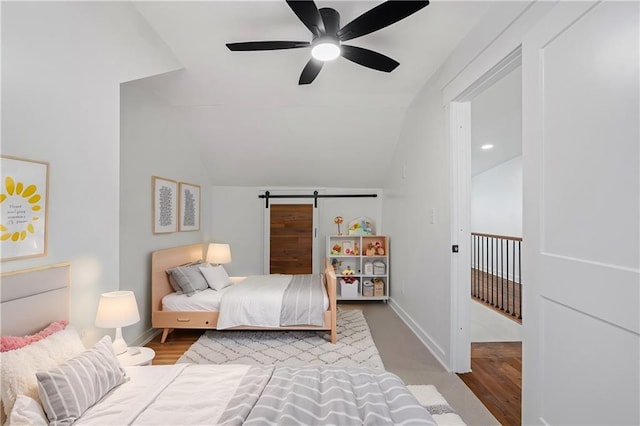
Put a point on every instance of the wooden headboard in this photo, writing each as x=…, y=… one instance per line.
x=162, y=260
x=31, y=299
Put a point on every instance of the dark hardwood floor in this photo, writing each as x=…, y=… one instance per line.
x=496, y=379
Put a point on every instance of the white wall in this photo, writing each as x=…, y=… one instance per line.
x=422, y=250
x=62, y=64
x=152, y=143
x=238, y=219
x=496, y=200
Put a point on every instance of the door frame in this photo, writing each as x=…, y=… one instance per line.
x=266, y=228
x=459, y=115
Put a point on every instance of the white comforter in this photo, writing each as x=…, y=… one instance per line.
x=256, y=301
x=148, y=398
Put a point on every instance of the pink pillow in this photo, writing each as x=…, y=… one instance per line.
x=10, y=343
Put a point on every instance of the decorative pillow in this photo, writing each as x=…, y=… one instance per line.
x=10, y=343
x=19, y=366
x=189, y=279
x=172, y=281
x=216, y=277
x=68, y=390
x=27, y=411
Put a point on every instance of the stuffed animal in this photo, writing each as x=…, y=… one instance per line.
x=379, y=249
x=371, y=250
x=347, y=271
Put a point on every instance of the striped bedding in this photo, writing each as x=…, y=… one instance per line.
x=258, y=395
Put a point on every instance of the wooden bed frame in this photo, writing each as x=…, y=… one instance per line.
x=162, y=260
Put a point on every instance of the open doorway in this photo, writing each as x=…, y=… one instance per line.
x=496, y=211
x=486, y=143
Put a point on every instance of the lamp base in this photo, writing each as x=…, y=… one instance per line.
x=119, y=345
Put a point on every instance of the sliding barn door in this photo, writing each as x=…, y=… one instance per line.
x=581, y=346
x=291, y=242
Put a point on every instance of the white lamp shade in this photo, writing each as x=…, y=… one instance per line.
x=218, y=253
x=117, y=309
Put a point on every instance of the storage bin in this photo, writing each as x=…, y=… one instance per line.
x=368, y=268
x=379, y=268
x=367, y=289
x=378, y=288
x=348, y=290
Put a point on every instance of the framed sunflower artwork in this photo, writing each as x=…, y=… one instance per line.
x=23, y=201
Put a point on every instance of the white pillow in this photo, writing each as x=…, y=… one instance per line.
x=19, y=366
x=216, y=277
x=27, y=411
x=69, y=389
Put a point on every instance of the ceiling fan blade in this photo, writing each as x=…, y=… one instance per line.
x=310, y=71
x=307, y=12
x=267, y=45
x=369, y=58
x=379, y=17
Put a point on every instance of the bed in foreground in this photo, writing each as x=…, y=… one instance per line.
x=169, y=310
x=49, y=378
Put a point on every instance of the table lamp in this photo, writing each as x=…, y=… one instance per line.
x=117, y=309
x=217, y=254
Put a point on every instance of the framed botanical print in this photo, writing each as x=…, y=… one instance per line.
x=189, y=217
x=165, y=205
x=24, y=201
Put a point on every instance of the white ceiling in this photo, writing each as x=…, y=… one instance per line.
x=257, y=127
x=496, y=119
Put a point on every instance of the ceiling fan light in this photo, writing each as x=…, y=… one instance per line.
x=325, y=51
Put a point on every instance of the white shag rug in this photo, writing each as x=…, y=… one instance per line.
x=354, y=348
x=435, y=403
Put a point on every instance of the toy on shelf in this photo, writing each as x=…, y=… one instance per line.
x=335, y=263
x=374, y=249
x=338, y=220
x=347, y=271
x=361, y=226
x=336, y=249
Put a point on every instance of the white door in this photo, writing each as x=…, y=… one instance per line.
x=581, y=360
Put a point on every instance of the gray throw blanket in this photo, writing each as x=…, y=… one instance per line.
x=323, y=395
x=302, y=302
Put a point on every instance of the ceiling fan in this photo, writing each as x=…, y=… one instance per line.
x=326, y=44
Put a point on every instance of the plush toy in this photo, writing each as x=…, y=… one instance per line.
x=371, y=250
x=335, y=263
x=347, y=271
x=379, y=249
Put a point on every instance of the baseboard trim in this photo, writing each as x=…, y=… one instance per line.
x=422, y=335
x=146, y=337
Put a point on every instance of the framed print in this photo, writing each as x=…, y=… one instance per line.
x=165, y=205
x=189, y=207
x=347, y=247
x=24, y=197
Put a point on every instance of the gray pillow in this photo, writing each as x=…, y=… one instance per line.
x=176, y=287
x=70, y=389
x=189, y=279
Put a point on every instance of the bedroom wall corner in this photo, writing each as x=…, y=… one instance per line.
x=62, y=63
x=152, y=143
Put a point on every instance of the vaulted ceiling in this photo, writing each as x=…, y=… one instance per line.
x=253, y=123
